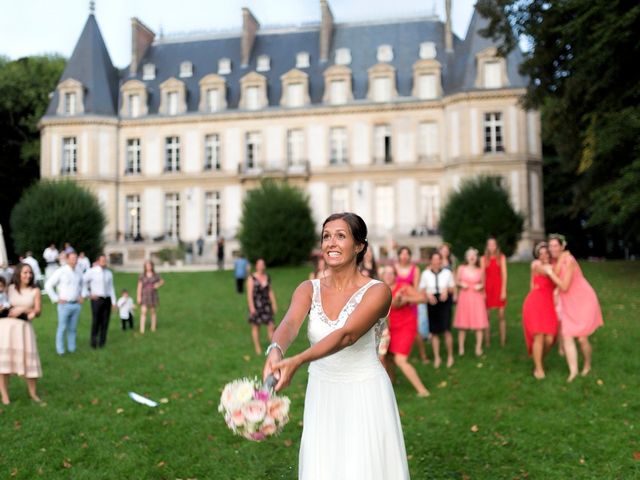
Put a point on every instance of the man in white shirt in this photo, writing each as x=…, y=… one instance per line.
x=64, y=287
x=83, y=263
x=50, y=256
x=98, y=285
x=33, y=263
x=438, y=287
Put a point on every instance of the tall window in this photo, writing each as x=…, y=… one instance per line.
x=212, y=214
x=132, y=216
x=382, y=89
x=295, y=147
x=212, y=152
x=427, y=86
x=428, y=141
x=493, y=132
x=339, y=199
x=172, y=154
x=430, y=206
x=295, y=95
x=338, y=146
x=252, y=149
x=70, y=102
x=382, y=144
x=384, y=207
x=133, y=156
x=172, y=215
x=252, y=98
x=134, y=105
x=69, y=156
x=172, y=101
x=492, y=75
x=338, y=92
x=213, y=100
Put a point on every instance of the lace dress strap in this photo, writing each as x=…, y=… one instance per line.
x=347, y=310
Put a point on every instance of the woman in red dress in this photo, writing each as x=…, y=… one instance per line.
x=494, y=265
x=403, y=328
x=407, y=273
x=539, y=318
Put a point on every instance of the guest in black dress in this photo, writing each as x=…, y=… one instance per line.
x=262, y=303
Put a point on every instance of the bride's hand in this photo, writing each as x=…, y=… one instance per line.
x=286, y=368
x=274, y=357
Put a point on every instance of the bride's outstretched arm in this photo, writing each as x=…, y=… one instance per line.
x=374, y=305
x=290, y=325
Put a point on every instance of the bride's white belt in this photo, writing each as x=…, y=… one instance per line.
x=326, y=371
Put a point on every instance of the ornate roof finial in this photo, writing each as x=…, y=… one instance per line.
x=92, y=7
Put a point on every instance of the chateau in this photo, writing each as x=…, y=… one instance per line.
x=383, y=118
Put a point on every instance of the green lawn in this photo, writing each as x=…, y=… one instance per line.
x=88, y=428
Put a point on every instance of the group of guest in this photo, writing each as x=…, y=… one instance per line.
x=560, y=304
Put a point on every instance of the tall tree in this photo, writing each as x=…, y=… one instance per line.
x=25, y=85
x=581, y=77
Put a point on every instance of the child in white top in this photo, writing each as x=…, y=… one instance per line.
x=125, y=307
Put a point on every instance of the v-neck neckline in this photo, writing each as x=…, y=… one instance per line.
x=343, y=307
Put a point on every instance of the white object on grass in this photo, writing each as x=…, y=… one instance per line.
x=143, y=400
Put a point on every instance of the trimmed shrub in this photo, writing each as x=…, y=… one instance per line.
x=57, y=212
x=276, y=224
x=481, y=208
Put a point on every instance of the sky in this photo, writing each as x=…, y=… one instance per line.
x=32, y=27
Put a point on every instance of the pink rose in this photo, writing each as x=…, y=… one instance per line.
x=268, y=426
x=255, y=436
x=237, y=417
x=278, y=408
x=254, y=411
x=261, y=395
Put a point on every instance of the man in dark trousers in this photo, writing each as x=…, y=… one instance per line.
x=220, y=253
x=98, y=285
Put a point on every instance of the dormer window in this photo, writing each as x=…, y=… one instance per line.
x=172, y=101
x=254, y=91
x=385, y=54
x=134, y=99
x=70, y=102
x=492, y=69
x=295, y=89
x=213, y=93
x=343, y=56
x=302, y=60
x=382, y=83
x=264, y=63
x=427, y=50
x=148, y=71
x=186, y=69
x=70, y=97
x=173, y=97
x=427, y=84
x=224, y=66
x=337, y=85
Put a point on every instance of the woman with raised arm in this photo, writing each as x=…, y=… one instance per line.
x=580, y=313
x=351, y=422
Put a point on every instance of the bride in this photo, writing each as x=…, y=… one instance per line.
x=351, y=424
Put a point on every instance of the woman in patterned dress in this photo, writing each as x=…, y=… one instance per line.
x=262, y=303
x=148, y=285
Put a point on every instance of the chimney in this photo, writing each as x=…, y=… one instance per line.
x=141, y=38
x=326, y=30
x=249, y=28
x=448, y=35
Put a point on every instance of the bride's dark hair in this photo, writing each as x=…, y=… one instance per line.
x=357, y=227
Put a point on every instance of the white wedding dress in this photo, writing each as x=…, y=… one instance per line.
x=352, y=428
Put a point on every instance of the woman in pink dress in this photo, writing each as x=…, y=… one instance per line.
x=579, y=306
x=539, y=318
x=407, y=273
x=471, y=313
x=403, y=328
x=494, y=266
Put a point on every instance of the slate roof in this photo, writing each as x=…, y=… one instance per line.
x=91, y=65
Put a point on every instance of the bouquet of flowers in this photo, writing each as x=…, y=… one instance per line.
x=252, y=410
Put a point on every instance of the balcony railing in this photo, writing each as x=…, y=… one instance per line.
x=300, y=168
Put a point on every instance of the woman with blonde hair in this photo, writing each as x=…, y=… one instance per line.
x=494, y=266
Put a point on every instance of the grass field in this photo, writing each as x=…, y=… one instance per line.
x=486, y=418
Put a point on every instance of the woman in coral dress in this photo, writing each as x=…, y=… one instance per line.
x=579, y=306
x=494, y=265
x=539, y=318
x=471, y=313
x=403, y=328
x=18, y=347
x=407, y=273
